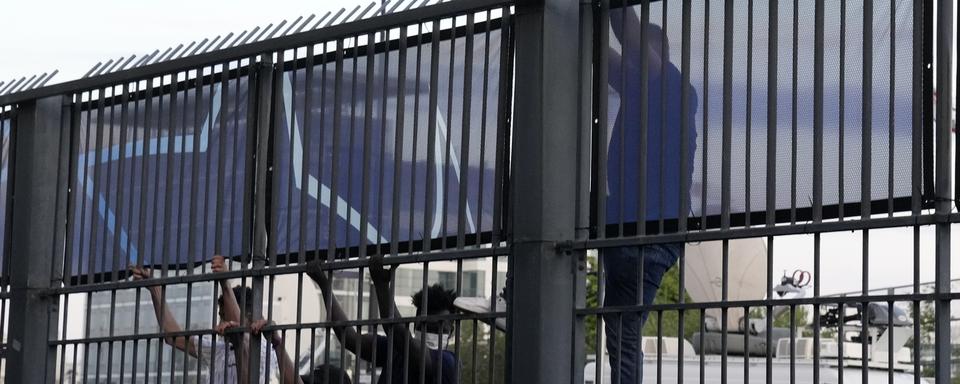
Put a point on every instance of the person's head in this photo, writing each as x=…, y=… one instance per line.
x=244, y=297
x=327, y=374
x=439, y=301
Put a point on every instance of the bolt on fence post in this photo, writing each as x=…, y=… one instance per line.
x=543, y=191
x=38, y=178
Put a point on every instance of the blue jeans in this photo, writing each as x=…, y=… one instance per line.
x=622, y=268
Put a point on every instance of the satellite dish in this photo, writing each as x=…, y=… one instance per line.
x=747, y=274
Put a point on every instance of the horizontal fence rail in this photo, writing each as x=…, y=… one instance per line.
x=758, y=192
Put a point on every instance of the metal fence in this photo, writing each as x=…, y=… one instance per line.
x=611, y=188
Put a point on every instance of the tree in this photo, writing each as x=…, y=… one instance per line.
x=475, y=367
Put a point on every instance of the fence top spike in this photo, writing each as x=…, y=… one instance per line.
x=366, y=10
x=125, y=64
x=32, y=84
x=395, y=5
x=185, y=51
x=9, y=85
x=209, y=44
x=224, y=41
x=114, y=66
x=325, y=16
x=235, y=41
x=173, y=53
x=20, y=86
x=305, y=23
x=270, y=36
x=249, y=35
x=146, y=59
x=94, y=68
x=292, y=26
x=334, y=18
x=102, y=69
x=411, y=5
x=13, y=84
x=346, y=19
x=199, y=45
x=52, y=74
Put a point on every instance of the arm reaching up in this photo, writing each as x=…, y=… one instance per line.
x=168, y=324
x=288, y=373
x=230, y=307
x=348, y=336
x=388, y=309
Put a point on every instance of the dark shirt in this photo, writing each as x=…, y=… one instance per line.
x=663, y=142
x=400, y=372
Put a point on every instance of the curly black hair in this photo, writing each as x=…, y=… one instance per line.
x=438, y=299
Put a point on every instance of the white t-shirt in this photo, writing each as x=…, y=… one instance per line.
x=224, y=360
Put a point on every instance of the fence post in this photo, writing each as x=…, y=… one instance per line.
x=544, y=191
x=943, y=186
x=37, y=180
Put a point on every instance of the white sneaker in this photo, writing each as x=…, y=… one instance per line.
x=482, y=305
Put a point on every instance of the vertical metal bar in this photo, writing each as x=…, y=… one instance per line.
x=621, y=124
x=841, y=96
x=106, y=267
x=793, y=118
x=464, y=187
x=684, y=135
x=768, y=353
x=413, y=150
x=664, y=62
x=448, y=144
x=399, y=128
x=816, y=272
x=864, y=329
x=334, y=174
x=748, y=128
x=95, y=227
x=724, y=292
x=501, y=205
x=891, y=105
x=793, y=341
x=351, y=135
x=746, y=345
x=431, y=178
x=642, y=166
x=703, y=331
x=915, y=309
x=818, y=133
x=772, y=52
x=291, y=128
x=307, y=140
x=367, y=149
x=705, y=179
x=726, y=152
x=488, y=25
x=168, y=195
x=218, y=245
x=320, y=150
x=600, y=115
x=73, y=193
x=866, y=144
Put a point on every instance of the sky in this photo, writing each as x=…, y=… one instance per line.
x=72, y=36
